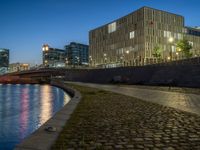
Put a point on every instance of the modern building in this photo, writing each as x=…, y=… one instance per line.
x=77, y=54
x=53, y=57
x=132, y=39
x=17, y=67
x=4, y=60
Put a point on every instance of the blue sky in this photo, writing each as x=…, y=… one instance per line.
x=27, y=24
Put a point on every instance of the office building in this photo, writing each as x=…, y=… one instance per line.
x=4, y=60
x=132, y=39
x=77, y=54
x=53, y=57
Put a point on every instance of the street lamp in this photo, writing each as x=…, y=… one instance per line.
x=90, y=60
x=105, y=59
x=177, y=55
x=127, y=52
x=121, y=60
x=171, y=40
x=179, y=52
x=66, y=62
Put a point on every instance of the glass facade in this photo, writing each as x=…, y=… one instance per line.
x=53, y=57
x=4, y=61
x=4, y=57
x=193, y=31
x=77, y=54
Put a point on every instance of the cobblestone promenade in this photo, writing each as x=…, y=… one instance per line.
x=178, y=98
x=105, y=120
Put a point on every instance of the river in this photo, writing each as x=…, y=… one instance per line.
x=24, y=108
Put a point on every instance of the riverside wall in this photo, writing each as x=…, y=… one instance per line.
x=187, y=75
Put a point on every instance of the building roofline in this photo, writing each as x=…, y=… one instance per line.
x=76, y=43
x=4, y=49
x=132, y=13
x=193, y=28
x=163, y=11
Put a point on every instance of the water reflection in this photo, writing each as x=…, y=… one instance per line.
x=46, y=103
x=24, y=112
x=23, y=108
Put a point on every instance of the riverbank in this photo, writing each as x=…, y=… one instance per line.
x=44, y=137
x=105, y=120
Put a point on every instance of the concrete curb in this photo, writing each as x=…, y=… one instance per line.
x=42, y=139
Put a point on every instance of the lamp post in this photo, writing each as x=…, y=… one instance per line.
x=121, y=60
x=66, y=62
x=177, y=55
x=179, y=52
x=127, y=52
x=105, y=59
x=90, y=60
x=171, y=40
x=77, y=58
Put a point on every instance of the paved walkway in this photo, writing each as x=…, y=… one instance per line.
x=107, y=121
x=183, y=101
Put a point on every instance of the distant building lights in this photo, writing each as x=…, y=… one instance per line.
x=45, y=47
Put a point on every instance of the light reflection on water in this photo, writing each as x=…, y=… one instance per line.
x=24, y=108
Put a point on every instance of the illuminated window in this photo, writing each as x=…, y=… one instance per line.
x=112, y=27
x=173, y=48
x=167, y=34
x=132, y=34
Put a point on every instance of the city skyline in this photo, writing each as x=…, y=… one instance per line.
x=26, y=26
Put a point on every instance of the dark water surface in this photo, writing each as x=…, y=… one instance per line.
x=24, y=108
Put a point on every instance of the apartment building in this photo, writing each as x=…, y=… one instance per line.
x=132, y=39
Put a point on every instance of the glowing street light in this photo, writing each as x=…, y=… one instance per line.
x=171, y=39
x=127, y=52
x=179, y=49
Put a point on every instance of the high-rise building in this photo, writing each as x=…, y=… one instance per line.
x=4, y=60
x=132, y=39
x=53, y=57
x=77, y=54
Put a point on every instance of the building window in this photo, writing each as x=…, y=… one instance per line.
x=132, y=34
x=180, y=36
x=167, y=34
x=112, y=27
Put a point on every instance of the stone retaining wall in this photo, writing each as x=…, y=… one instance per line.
x=173, y=75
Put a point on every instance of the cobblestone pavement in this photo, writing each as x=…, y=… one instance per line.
x=179, y=100
x=105, y=120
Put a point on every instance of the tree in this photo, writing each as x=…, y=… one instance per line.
x=157, y=52
x=184, y=46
